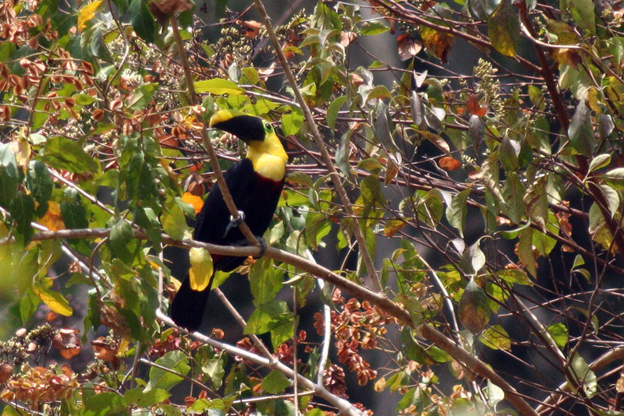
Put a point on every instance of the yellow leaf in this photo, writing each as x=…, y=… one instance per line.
x=53, y=220
x=201, y=268
x=55, y=301
x=87, y=13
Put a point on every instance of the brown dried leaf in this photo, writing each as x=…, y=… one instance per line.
x=407, y=47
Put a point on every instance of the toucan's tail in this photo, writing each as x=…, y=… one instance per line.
x=188, y=306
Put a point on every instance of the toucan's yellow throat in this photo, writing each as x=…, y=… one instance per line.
x=264, y=147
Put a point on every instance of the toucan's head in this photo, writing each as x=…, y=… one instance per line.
x=264, y=148
x=245, y=127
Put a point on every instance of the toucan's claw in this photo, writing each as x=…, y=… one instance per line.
x=263, y=246
x=234, y=222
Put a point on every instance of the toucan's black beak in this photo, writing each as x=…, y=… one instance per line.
x=243, y=126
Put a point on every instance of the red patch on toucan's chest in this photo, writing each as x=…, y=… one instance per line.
x=268, y=184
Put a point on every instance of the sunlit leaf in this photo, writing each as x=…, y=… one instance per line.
x=177, y=361
x=66, y=154
x=559, y=333
x=496, y=338
x=55, y=301
x=436, y=42
x=87, y=12
x=275, y=382
x=218, y=86
x=504, y=29
x=201, y=268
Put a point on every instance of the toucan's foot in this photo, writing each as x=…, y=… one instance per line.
x=263, y=246
x=234, y=222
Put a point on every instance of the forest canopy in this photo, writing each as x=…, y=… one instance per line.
x=449, y=241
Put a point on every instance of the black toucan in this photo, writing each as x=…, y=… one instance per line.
x=256, y=184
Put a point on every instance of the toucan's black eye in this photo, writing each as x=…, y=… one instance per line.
x=267, y=126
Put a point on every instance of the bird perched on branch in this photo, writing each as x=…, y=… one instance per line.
x=256, y=183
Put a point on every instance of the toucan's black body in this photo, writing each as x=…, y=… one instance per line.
x=257, y=196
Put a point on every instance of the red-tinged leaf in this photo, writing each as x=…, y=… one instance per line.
x=474, y=312
x=473, y=107
x=449, y=163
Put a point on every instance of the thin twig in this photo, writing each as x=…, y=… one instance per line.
x=214, y=160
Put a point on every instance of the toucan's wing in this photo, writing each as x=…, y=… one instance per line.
x=215, y=216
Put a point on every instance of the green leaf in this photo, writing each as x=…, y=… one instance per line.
x=333, y=109
x=373, y=28
x=456, y=211
x=9, y=175
x=143, y=22
x=203, y=405
x=275, y=382
x=525, y=251
x=122, y=243
x=65, y=154
x=265, y=281
x=84, y=99
x=583, y=375
x=292, y=122
x=40, y=185
x=55, y=301
x=474, y=312
x=325, y=18
x=513, y=194
x=214, y=368
x=138, y=397
x=176, y=361
x=218, y=86
x=496, y=338
x=504, y=29
x=537, y=202
x=615, y=177
x=143, y=96
x=274, y=317
x=28, y=305
x=473, y=259
x=514, y=276
x=583, y=13
x=508, y=153
x=23, y=212
x=559, y=333
x=107, y=403
x=173, y=219
x=599, y=162
x=580, y=131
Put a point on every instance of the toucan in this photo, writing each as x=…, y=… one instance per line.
x=256, y=183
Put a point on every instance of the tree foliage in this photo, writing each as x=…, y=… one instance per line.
x=492, y=178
